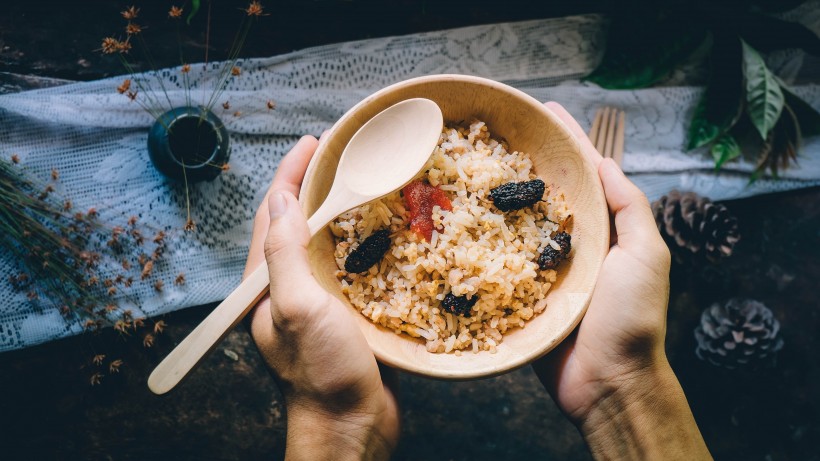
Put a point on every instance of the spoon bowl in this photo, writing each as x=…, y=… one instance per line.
x=384, y=155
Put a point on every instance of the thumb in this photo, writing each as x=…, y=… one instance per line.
x=634, y=222
x=286, y=242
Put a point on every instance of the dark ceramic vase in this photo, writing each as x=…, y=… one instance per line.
x=189, y=143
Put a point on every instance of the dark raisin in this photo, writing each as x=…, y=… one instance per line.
x=458, y=305
x=517, y=195
x=508, y=311
x=550, y=258
x=564, y=240
x=368, y=252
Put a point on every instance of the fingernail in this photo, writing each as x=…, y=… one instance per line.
x=277, y=205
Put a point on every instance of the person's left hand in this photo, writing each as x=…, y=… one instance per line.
x=337, y=403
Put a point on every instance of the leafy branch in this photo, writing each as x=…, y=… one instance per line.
x=648, y=40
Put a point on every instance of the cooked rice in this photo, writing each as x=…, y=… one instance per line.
x=479, y=251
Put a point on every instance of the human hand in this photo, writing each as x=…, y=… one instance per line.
x=611, y=375
x=337, y=403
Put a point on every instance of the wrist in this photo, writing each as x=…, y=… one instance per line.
x=643, y=415
x=316, y=431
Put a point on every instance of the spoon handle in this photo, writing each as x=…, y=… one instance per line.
x=209, y=332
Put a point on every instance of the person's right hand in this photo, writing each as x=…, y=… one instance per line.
x=611, y=375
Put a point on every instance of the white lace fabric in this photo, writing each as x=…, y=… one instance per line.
x=96, y=139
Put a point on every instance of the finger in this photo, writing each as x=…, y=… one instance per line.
x=587, y=148
x=288, y=177
x=292, y=168
x=634, y=223
x=286, y=245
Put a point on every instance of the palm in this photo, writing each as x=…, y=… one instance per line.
x=614, y=328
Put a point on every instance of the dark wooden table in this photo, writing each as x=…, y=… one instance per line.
x=230, y=408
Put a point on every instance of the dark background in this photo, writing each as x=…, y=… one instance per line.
x=230, y=409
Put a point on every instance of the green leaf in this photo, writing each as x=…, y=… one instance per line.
x=194, y=9
x=721, y=104
x=644, y=47
x=763, y=94
x=807, y=117
x=724, y=150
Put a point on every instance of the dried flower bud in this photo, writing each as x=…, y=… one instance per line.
x=98, y=359
x=67, y=205
x=148, y=340
x=158, y=285
x=92, y=213
x=89, y=324
x=147, y=269
x=32, y=295
x=108, y=283
x=124, y=46
x=131, y=13
x=127, y=283
x=271, y=105
x=112, y=291
x=114, y=366
x=235, y=71
x=126, y=85
x=15, y=159
x=159, y=238
x=186, y=68
x=226, y=105
x=110, y=45
x=254, y=9
x=133, y=29
x=132, y=221
x=225, y=167
x=121, y=326
x=96, y=378
x=132, y=95
x=159, y=326
x=175, y=12
x=55, y=175
x=180, y=280
x=110, y=308
x=93, y=280
x=237, y=114
x=137, y=235
x=138, y=322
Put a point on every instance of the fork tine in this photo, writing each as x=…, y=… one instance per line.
x=601, y=138
x=618, y=153
x=610, y=133
x=596, y=124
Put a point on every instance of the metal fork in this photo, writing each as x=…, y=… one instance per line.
x=607, y=133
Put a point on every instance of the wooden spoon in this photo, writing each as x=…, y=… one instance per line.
x=384, y=155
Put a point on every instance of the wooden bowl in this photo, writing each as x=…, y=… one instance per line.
x=528, y=127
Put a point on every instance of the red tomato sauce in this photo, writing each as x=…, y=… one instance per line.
x=420, y=198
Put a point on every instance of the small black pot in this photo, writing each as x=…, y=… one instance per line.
x=192, y=139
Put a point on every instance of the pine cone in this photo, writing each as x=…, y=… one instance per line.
x=694, y=226
x=739, y=334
